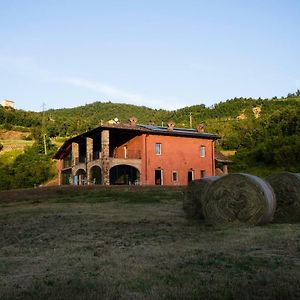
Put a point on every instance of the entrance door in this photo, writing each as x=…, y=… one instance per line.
x=158, y=177
x=190, y=175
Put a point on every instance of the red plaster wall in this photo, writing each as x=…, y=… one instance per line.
x=179, y=154
x=134, y=146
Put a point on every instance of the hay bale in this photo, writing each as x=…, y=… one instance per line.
x=237, y=199
x=193, y=196
x=286, y=187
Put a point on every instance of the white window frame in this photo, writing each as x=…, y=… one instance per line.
x=202, y=151
x=158, y=145
x=125, y=152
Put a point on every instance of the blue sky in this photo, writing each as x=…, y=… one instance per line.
x=161, y=54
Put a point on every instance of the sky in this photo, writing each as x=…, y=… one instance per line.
x=157, y=53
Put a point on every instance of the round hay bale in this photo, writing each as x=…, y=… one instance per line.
x=237, y=199
x=193, y=196
x=286, y=187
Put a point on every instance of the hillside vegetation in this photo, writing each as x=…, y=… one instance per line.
x=264, y=133
x=135, y=243
x=70, y=121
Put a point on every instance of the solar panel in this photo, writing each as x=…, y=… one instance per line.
x=177, y=130
x=151, y=127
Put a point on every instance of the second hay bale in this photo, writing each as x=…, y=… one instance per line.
x=287, y=190
x=237, y=199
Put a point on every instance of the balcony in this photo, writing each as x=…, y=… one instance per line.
x=67, y=163
x=94, y=156
x=128, y=154
x=79, y=160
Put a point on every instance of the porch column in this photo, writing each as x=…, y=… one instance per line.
x=105, y=156
x=89, y=157
x=89, y=149
x=225, y=169
x=75, y=153
x=59, y=168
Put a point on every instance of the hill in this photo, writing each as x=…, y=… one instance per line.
x=135, y=243
x=91, y=115
x=70, y=121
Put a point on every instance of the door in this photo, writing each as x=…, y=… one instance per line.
x=158, y=177
x=75, y=180
x=190, y=175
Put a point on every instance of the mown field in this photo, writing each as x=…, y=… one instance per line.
x=135, y=243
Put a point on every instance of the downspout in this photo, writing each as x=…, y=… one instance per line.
x=213, y=159
x=146, y=159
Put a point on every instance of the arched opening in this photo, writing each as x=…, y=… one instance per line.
x=124, y=174
x=95, y=175
x=80, y=177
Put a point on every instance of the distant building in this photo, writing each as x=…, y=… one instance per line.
x=137, y=154
x=8, y=103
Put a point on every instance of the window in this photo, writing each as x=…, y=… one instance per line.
x=202, y=173
x=125, y=151
x=202, y=151
x=174, y=176
x=158, y=148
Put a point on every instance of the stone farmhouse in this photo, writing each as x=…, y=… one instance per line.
x=137, y=154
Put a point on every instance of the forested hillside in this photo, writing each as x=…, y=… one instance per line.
x=71, y=121
x=74, y=120
x=264, y=133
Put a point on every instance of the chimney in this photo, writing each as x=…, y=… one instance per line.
x=170, y=125
x=200, y=128
x=133, y=121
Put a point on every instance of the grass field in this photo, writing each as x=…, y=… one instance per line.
x=135, y=243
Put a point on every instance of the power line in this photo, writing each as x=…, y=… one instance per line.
x=44, y=128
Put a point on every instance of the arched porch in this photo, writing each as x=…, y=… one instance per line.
x=95, y=175
x=80, y=177
x=124, y=175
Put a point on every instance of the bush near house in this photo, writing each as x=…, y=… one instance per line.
x=30, y=168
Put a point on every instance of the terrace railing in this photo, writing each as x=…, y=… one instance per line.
x=67, y=163
x=130, y=154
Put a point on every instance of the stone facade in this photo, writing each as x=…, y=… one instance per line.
x=105, y=156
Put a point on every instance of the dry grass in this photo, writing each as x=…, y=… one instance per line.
x=135, y=243
x=13, y=134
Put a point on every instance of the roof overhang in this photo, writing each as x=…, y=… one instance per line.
x=138, y=129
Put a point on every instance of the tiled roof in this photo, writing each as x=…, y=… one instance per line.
x=219, y=157
x=150, y=129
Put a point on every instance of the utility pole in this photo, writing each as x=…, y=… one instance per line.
x=44, y=129
x=191, y=120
